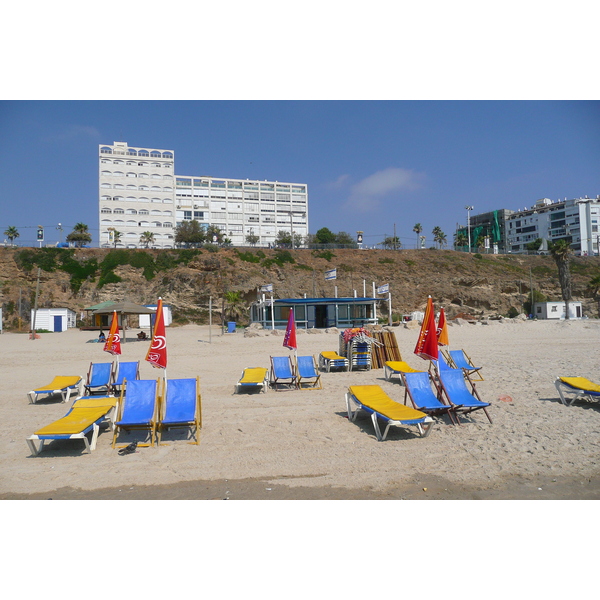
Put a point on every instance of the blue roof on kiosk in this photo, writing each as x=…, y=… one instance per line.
x=322, y=300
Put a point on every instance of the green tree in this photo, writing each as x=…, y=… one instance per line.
x=189, y=234
x=561, y=252
x=345, y=239
x=80, y=235
x=534, y=246
x=437, y=232
x=442, y=240
x=146, y=239
x=593, y=287
x=460, y=240
x=417, y=229
x=252, y=238
x=11, y=233
x=117, y=235
x=325, y=236
x=235, y=306
x=391, y=243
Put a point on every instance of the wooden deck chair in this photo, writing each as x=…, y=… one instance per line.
x=99, y=378
x=308, y=374
x=253, y=378
x=85, y=416
x=395, y=368
x=573, y=388
x=124, y=371
x=460, y=360
x=332, y=360
x=282, y=372
x=374, y=401
x=462, y=399
x=181, y=407
x=64, y=385
x=418, y=389
x=435, y=366
x=137, y=408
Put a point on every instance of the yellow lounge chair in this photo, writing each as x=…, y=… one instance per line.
x=374, y=401
x=253, y=378
x=577, y=387
x=84, y=416
x=393, y=368
x=62, y=384
x=332, y=360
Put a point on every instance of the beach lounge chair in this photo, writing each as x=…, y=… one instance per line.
x=332, y=360
x=64, y=385
x=85, y=416
x=360, y=355
x=374, y=401
x=438, y=365
x=138, y=408
x=460, y=360
x=99, y=378
x=395, y=368
x=458, y=395
x=181, y=407
x=125, y=371
x=253, y=378
x=572, y=388
x=308, y=374
x=282, y=372
x=418, y=389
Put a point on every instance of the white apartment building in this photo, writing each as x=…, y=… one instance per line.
x=139, y=192
x=575, y=219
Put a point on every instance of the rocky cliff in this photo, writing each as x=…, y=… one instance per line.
x=479, y=285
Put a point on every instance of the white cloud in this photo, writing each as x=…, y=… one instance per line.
x=367, y=193
x=340, y=182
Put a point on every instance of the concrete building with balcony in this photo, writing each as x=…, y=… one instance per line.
x=139, y=192
x=575, y=220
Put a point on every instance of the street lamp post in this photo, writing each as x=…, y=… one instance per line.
x=469, y=209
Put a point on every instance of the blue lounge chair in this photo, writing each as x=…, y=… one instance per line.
x=138, y=408
x=64, y=385
x=125, y=371
x=85, y=416
x=99, y=378
x=572, y=388
x=306, y=368
x=181, y=407
x=458, y=396
x=418, y=389
x=282, y=372
x=460, y=360
x=374, y=401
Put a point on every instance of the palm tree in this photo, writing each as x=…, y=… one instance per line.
x=417, y=229
x=561, y=252
x=442, y=238
x=117, y=235
x=80, y=235
x=436, y=234
x=460, y=240
x=593, y=286
x=235, y=305
x=146, y=239
x=11, y=233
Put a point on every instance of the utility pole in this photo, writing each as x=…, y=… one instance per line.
x=37, y=289
x=469, y=209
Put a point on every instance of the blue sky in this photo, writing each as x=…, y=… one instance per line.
x=369, y=165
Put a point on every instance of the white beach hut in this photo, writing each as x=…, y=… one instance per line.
x=53, y=319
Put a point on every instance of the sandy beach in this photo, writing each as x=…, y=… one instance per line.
x=300, y=444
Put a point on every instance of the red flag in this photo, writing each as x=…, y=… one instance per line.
x=157, y=354
x=289, y=341
x=427, y=345
x=442, y=330
x=113, y=341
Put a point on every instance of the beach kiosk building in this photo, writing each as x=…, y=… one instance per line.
x=557, y=310
x=318, y=313
x=53, y=319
